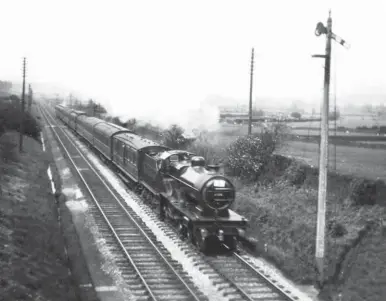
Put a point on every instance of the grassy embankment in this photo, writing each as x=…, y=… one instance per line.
x=32, y=258
x=281, y=207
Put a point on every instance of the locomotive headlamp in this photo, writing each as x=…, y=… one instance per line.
x=221, y=235
x=241, y=232
x=204, y=233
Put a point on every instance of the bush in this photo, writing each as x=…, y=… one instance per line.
x=131, y=124
x=296, y=115
x=149, y=131
x=296, y=174
x=173, y=137
x=362, y=192
x=248, y=156
x=10, y=117
x=211, y=153
x=336, y=229
x=2, y=127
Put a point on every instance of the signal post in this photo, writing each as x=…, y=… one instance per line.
x=323, y=160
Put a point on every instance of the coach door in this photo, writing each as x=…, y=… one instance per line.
x=117, y=151
x=130, y=161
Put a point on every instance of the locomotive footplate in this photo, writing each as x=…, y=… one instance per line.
x=233, y=225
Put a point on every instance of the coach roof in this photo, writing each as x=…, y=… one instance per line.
x=78, y=112
x=135, y=141
x=110, y=129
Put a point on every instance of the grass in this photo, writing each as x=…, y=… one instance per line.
x=284, y=217
x=32, y=255
x=362, y=162
x=366, y=261
x=311, y=132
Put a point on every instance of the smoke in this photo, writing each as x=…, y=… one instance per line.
x=191, y=113
x=160, y=106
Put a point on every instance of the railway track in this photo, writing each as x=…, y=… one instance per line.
x=250, y=283
x=146, y=267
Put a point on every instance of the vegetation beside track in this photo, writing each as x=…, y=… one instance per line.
x=32, y=258
x=10, y=119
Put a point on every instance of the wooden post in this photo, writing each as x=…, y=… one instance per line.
x=29, y=97
x=22, y=110
x=323, y=160
x=250, y=97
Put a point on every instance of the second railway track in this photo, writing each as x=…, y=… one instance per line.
x=248, y=281
x=149, y=271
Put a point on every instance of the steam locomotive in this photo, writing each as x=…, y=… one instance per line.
x=193, y=196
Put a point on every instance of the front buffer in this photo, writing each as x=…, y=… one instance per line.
x=207, y=232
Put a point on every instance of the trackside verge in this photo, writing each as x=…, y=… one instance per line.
x=90, y=268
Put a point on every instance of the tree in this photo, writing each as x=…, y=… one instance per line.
x=173, y=137
x=334, y=115
x=131, y=124
x=248, y=155
x=296, y=115
x=258, y=113
x=5, y=86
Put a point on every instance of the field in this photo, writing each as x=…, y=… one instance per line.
x=350, y=160
x=364, y=162
x=311, y=132
x=347, y=121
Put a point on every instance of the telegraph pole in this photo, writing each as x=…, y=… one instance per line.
x=70, y=101
x=323, y=158
x=29, y=98
x=22, y=109
x=250, y=96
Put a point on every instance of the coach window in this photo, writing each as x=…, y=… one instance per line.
x=174, y=158
x=159, y=164
x=128, y=154
x=118, y=145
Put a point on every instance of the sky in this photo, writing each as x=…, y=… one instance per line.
x=167, y=59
